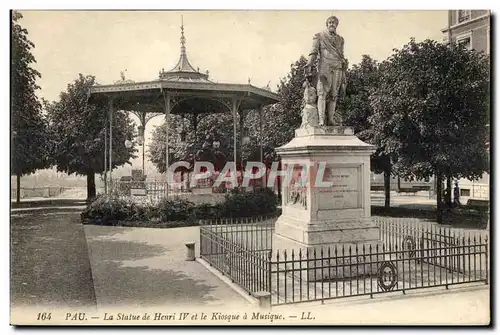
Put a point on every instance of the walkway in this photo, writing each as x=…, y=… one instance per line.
x=144, y=267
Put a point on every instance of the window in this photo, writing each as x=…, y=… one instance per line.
x=465, y=192
x=465, y=42
x=463, y=15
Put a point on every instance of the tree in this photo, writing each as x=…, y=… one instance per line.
x=356, y=111
x=280, y=120
x=78, y=130
x=196, y=146
x=29, y=128
x=431, y=110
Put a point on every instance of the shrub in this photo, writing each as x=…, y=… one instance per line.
x=107, y=209
x=206, y=212
x=245, y=204
x=112, y=209
x=176, y=209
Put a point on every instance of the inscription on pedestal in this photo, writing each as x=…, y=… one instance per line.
x=346, y=191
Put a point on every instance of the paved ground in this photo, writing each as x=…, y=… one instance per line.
x=420, y=200
x=143, y=267
x=56, y=261
x=435, y=306
x=49, y=260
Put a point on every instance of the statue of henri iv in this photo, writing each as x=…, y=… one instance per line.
x=326, y=70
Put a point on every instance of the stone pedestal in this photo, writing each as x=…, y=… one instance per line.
x=333, y=215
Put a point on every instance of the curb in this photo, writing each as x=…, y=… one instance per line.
x=226, y=280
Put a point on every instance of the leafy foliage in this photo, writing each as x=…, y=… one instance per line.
x=196, y=146
x=29, y=151
x=176, y=209
x=362, y=80
x=246, y=204
x=356, y=110
x=108, y=210
x=431, y=109
x=281, y=119
x=78, y=131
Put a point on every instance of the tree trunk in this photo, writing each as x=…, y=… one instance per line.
x=439, y=192
x=399, y=184
x=91, y=192
x=387, y=187
x=18, y=185
x=448, y=186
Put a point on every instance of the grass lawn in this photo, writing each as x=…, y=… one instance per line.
x=49, y=260
x=458, y=218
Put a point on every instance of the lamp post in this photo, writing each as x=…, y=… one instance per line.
x=141, y=142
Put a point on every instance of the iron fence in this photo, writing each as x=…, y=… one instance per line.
x=410, y=255
x=152, y=191
x=239, y=248
x=50, y=192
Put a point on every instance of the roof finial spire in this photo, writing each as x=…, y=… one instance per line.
x=183, y=39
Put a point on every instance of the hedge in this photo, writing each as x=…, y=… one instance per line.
x=177, y=212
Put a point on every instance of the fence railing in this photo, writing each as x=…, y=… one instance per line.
x=410, y=255
x=154, y=191
x=50, y=192
x=239, y=248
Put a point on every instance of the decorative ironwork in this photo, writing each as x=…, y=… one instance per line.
x=387, y=276
x=293, y=276
x=410, y=245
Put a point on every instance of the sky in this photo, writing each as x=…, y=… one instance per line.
x=234, y=46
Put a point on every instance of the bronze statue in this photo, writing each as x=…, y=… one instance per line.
x=326, y=70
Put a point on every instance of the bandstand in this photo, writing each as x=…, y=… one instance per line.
x=183, y=90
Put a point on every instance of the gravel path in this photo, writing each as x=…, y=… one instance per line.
x=144, y=267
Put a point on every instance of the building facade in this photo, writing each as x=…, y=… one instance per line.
x=470, y=28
